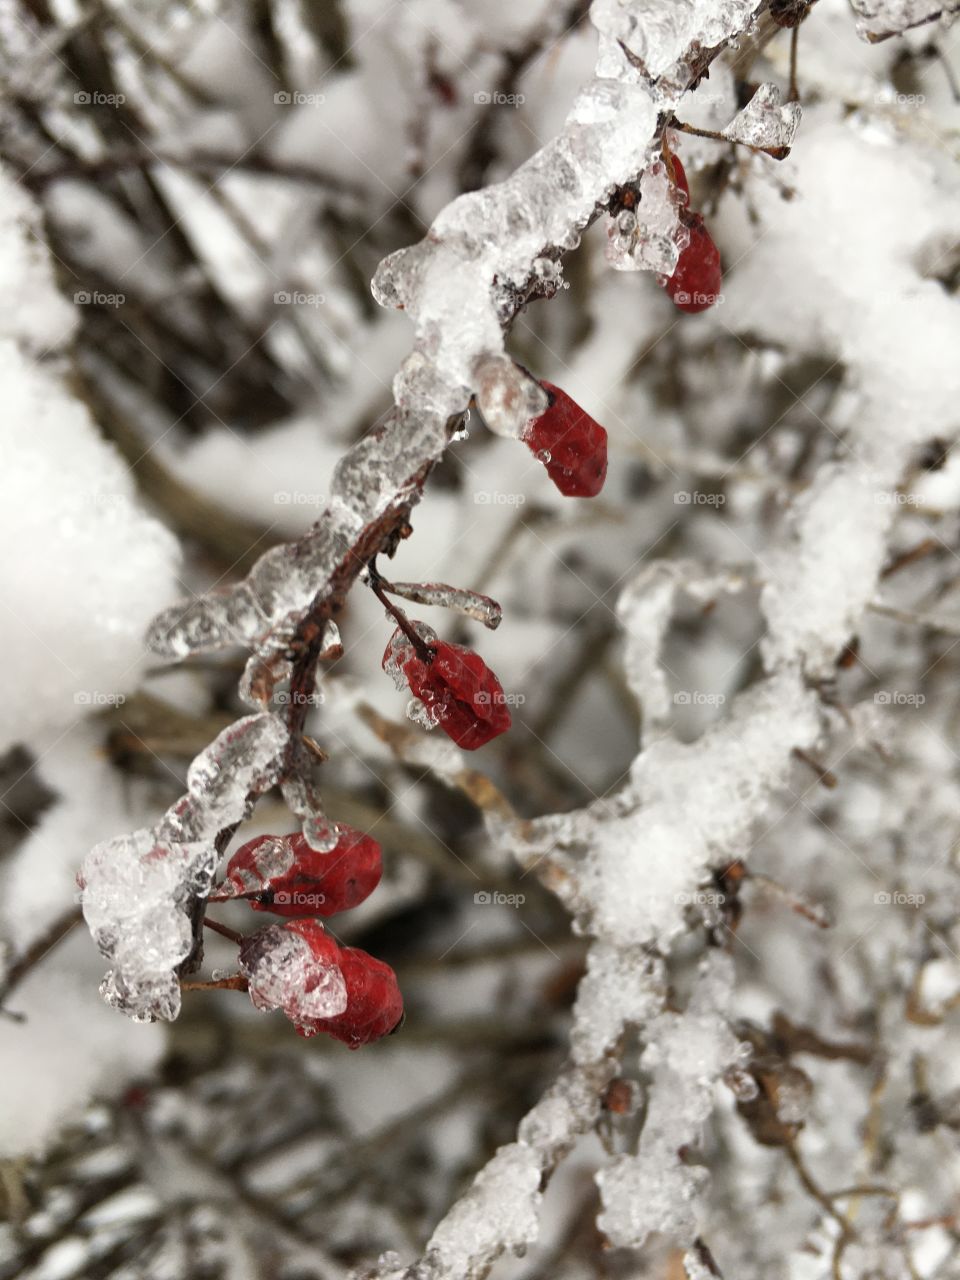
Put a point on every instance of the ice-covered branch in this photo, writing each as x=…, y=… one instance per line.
x=488, y=253
x=632, y=867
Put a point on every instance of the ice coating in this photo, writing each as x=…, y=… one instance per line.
x=243, y=759
x=272, y=858
x=620, y=986
x=686, y=1055
x=609, y=114
x=659, y=36
x=649, y=236
x=878, y=19
x=766, y=121
x=137, y=894
x=139, y=891
x=644, y=609
x=499, y=1211
x=284, y=973
x=399, y=649
x=507, y=396
x=283, y=582
x=304, y=800
x=469, y=604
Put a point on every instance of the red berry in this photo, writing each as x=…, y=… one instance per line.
x=570, y=444
x=458, y=689
x=299, y=881
x=695, y=284
x=374, y=1003
x=300, y=969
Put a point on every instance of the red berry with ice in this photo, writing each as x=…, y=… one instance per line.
x=570, y=444
x=320, y=986
x=297, y=880
x=458, y=690
x=696, y=282
x=374, y=1003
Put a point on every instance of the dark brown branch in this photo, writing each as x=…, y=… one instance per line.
x=52, y=937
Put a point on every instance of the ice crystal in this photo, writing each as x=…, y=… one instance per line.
x=766, y=121
x=283, y=973
x=649, y=237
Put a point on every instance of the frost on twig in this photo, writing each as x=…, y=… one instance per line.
x=656, y=1190
x=880, y=19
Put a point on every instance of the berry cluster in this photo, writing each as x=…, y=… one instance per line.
x=698, y=276
x=321, y=986
x=298, y=967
